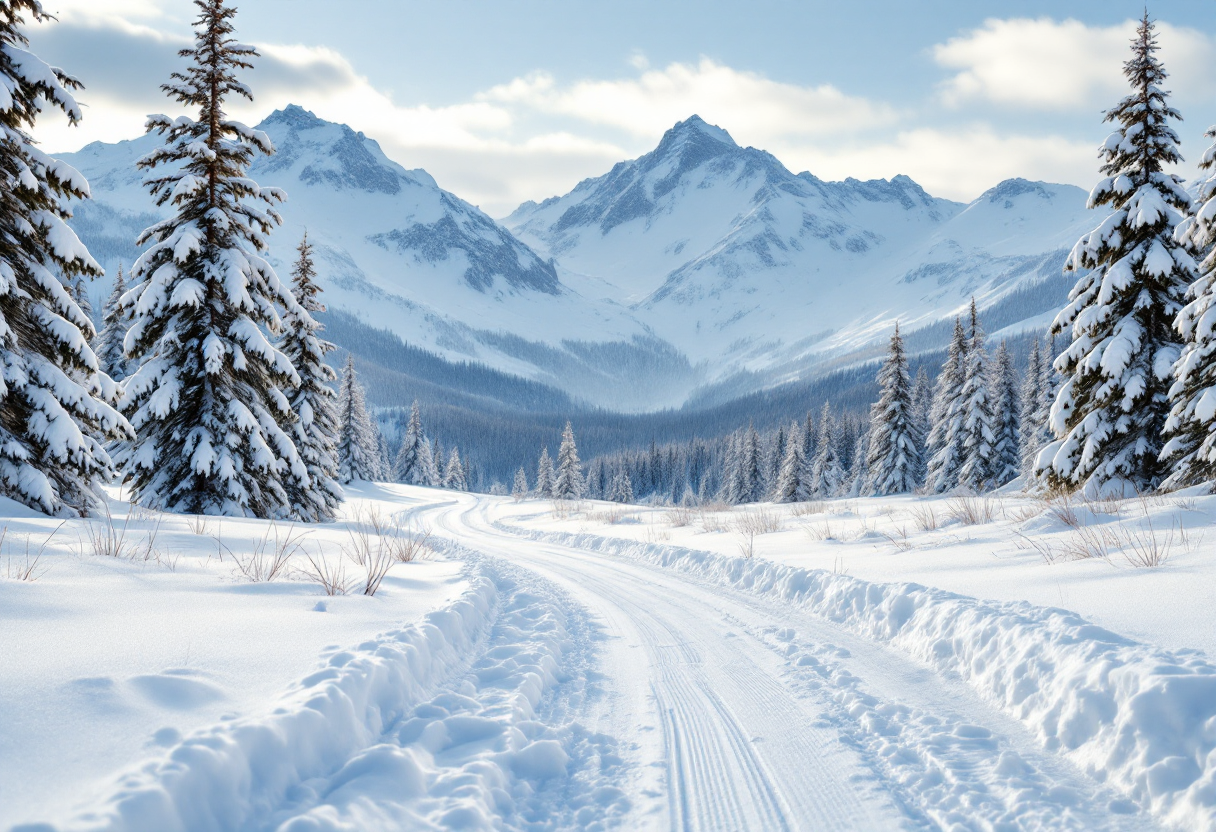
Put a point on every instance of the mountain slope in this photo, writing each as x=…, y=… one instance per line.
x=402, y=254
x=752, y=269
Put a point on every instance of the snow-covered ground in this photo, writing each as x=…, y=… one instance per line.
x=874, y=664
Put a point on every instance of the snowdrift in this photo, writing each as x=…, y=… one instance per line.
x=229, y=775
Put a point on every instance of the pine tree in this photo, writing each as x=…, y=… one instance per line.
x=55, y=405
x=1111, y=410
x=568, y=483
x=791, y=478
x=454, y=474
x=115, y=323
x=751, y=485
x=358, y=446
x=428, y=467
x=519, y=489
x=408, y=467
x=544, y=475
x=922, y=417
x=894, y=454
x=859, y=470
x=1007, y=418
x=80, y=294
x=734, y=485
x=207, y=402
x=315, y=431
x=622, y=488
x=945, y=444
x=979, y=435
x=1031, y=394
x=1190, y=429
x=827, y=474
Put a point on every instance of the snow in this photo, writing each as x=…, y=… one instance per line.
x=594, y=666
x=108, y=661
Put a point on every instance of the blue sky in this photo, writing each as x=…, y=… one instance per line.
x=506, y=101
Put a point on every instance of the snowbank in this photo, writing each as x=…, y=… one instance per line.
x=224, y=777
x=1137, y=717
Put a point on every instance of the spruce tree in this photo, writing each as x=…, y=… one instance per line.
x=568, y=483
x=56, y=408
x=408, y=467
x=979, y=436
x=315, y=431
x=827, y=474
x=1029, y=429
x=894, y=455
x=80, y=294
x=1007, y=418
x=1111, y=410
x=791, y=479
x=358, y=450
x=1190, y=429
x=428, y=468
x=945, y=444
x=207, y=402
x=519, y=488
x=544, y=475
x=859, y=470
x=622, y=487
x=115, y=322
x=454, y=474
x=922, y=417
x=751, y=468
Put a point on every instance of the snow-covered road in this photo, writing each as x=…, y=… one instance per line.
x=731, y=712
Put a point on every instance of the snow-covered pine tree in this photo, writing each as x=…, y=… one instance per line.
x=1007, y=418
x=945, y=444
x=55, y=405
x=774, y=458
x=384, y=459
x=751, y=486
x=568, y=482
x=809, y=437
x=544, y=475
x=1190, y=429
x=114, y=329
x=407, y=467
x=207, y=402
x=80, y=294
x=827, y=474
x=454, y=474
x=1031, y=395
x=979, y=423
x=622, y=488
x=358, y=451
x=790, y=479
x=859, y=470
x=1110, y=412
x=519, y=488
x=315, y=431
x=894, y=454
x=733, y=479
x=429, y=468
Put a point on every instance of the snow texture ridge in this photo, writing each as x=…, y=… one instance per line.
x=231, y=775
x=1138, y=718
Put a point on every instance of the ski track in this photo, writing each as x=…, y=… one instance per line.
x=772, y=718
x=602, y=692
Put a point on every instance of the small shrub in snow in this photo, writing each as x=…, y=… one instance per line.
x=199, y=524
x=332, y=578
x=925, y=517
x=758, y=521
x=26, y=567
x=972, y=510
x=270, y=556
x=679, y=516
x=808, y=508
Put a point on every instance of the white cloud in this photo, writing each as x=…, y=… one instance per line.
x=747, y=102
x=1057, y=65
x=956, y=164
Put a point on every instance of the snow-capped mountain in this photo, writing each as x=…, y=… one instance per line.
x=701, y=268
x=402, y=254
x=748, y=267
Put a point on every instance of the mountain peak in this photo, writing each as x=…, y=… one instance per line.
x=694, y=124
x=293, y=115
